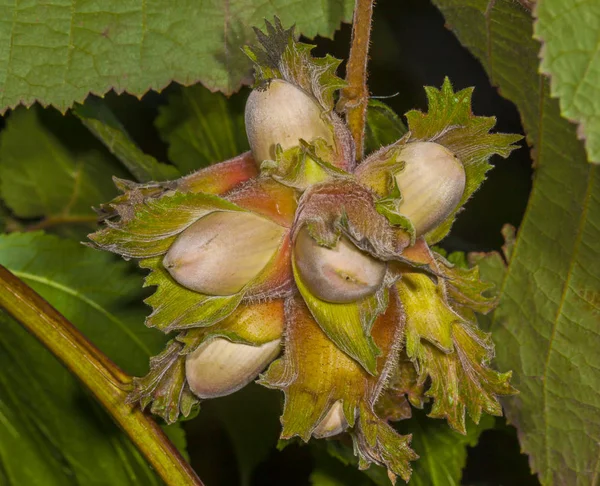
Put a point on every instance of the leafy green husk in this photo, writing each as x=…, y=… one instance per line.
x=314, y=373
x=165, y=387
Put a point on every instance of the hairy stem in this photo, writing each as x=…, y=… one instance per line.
x=105, y=380
x=355, y=97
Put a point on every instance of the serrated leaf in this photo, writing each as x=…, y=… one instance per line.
x=41, y=178
x=546, y=325
x=383, y=127
x=54, y=432
x=61, y=52
x=450, y=122
x=568, y=30
x=201, y=128
x=98, y=118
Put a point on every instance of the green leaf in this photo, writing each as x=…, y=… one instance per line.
x=98, y=118
x=54, y=433
x=202, y=128
x=250, y=417
x=57, y=53
x=568, y=30
x=443, y=451
x=546, y=326
x=384, y=126
x=41, y=178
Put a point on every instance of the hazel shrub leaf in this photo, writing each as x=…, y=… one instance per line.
x=383, y=126
x=101, y=121
x=52, y=432
x=41, y=178
x=568, y=31
x=53, y=423
x=546, y=325
x=448, y=449
x=201, y=128
x=60, y=53
x=450, y=122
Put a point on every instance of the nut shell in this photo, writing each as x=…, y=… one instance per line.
x=282, y=114
x=341, y=274
x=223, y=251
x=432, y=184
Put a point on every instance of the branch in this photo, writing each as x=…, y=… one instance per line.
x=355, y=97
x=100, y=375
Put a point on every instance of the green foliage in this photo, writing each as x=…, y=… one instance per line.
x=446, y=448
x=45, y=179
x=202, y=128
x=250, y=418
x=568, y=30
x=57, y=53
x=98, y=118
x=383, y=128
x=546, y=327
x=53, y=432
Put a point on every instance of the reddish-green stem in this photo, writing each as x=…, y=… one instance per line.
x=355, y=97
x=108, y=383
